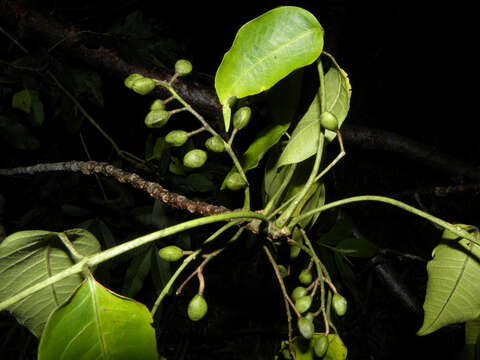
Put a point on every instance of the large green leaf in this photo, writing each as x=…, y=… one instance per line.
x=304, y=140
x=453, y=289
x=265, y=50
x=96, y=323
x=28, y=257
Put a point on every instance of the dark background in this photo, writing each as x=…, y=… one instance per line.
x=411, y=69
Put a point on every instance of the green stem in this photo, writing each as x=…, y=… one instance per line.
x=205, y=124
x=68, y=244
x=185, y=263
x=282, y=220
x=272, y=202
x=446, y=225
x=130, y=245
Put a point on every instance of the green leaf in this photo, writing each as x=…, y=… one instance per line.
x=338, y=92
x=22, y=100
x=304, y=140
x=265, y=50
x=357, y=247
x=137, y=272
x=453, y=290
x=88, y=83
x=96, y=323
x=28, y=257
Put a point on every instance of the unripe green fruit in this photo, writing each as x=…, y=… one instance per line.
x=157, y=118
x=305, y=327
x=298, y=292
x=157, y=105
x=320, y=345
x=303, y=303
x=197, y=308
x=294, y=251
x=195, y=158
x=183, y=67
x=215, y=144
x=235, y=182
x=176, y=137
x=170, y=253
x=241, y=118
x=282, y=270
x=143, y=85
x=339, y=304
x=130, y=79
x=305, y=277
x=308, y=316
x=329, y=121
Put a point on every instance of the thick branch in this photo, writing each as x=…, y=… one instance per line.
x=155, y=190
x=203, y=98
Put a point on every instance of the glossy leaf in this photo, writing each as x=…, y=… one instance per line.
x=265, y=50
x=28, y=257
x=453, y=290
x=96, y=323
x=338, y=92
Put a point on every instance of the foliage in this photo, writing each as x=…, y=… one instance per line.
x=47, y=278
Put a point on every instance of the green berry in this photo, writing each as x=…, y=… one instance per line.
x=195, y=158
x=176, y=137
x=215, y=144
x=170, y=253
x=235, y=182
x=183, y=67
x=130, y=79
x=305, y=277
x=320, y=345
x=294, y=251
x=303, y=303
x=283, y=271
x=157, y=118
x=308, y=316
x=339, y=304
x=157, y=105
x=197, y=308
x=143, y=85
x=298, y=292
x=329, y=121
x=305, y=327
x=241, y=118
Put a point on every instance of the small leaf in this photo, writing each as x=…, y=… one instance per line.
x=357, y=247
x=96, y=323
x=265, y=50
x=453, y=289
x=28, y=257
x=22, y=100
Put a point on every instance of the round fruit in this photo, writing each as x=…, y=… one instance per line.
x=197, y=308
x=170, y=253
x=305, y=277
x=130, y=79
x=305, y=327
x=308, y=316
x=282, y=270
x=303, y=303
x=183, y=67
x=320, y=345
x=235, y=182
x=298, y=292
x=143, y=85
x=215, y=144
x=195, y=158
x=339, y=304
x=157, y=118
x=294, y=251
x=176, y=137
x=241, y=118
x=329, y=121
x=157, y=105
